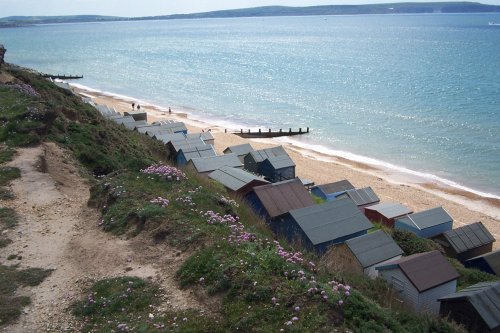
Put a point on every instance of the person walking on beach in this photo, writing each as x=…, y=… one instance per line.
x=138, y=107
x=169, y=110
x=133, y=106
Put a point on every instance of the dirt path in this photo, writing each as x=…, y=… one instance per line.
x=58, y=231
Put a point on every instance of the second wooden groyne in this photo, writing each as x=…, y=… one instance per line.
x=268, y=134
x=62, y=77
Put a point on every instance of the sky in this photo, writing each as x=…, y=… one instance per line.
x=134, y=8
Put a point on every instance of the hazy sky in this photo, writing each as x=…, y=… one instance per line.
x=130, y=8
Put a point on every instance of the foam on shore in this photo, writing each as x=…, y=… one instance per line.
x=390, y=172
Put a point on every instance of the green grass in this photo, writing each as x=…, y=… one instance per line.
x=11, y=277
x=131, y=302
x=7, y=174
x=470, y=276
x=6, y=154
x=412, y=244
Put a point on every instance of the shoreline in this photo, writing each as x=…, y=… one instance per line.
x=464, y=206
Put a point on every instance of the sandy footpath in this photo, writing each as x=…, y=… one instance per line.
x=464, y=207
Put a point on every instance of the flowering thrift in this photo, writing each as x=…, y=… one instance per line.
x=160, y=201
x=167, y=171
x=23, y=88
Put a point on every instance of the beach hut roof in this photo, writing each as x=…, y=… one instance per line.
x=424, y=270
x=263, y=154
x=205, y=136
x=373, y=248
x=280, y=162
x=124, y=120
x=281, y=197
x=239, y=150
x=175, y=126
x=468, y=237
x=390, y=209
x=211, y=163
x=148, y=128
x=493, y=260
x=166, y=138
x=335, y=187
x=331, y=220
x=362, y=196
x=186, y=143
x=484, y=297
x=198, y=151
x=235, y=178
x=427, y=219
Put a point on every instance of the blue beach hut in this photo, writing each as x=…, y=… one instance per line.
x=278, y=168
x=184, y=155
x=331, y=190
x=426, y=224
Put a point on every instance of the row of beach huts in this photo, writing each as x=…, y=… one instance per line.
x=340, y=229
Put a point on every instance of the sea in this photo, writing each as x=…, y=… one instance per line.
x=413, y=94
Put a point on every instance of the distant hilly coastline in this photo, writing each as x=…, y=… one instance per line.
x=388, y=8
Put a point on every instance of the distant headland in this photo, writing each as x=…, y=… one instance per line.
x=388, y=8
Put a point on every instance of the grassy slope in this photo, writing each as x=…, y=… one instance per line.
x=259, y=285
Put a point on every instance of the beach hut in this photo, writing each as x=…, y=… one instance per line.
x=362, y=254
x=254, y=158
x=278, y=168
x=107, y=111
x=185, y=155
x=362, y=197
x=174, y=146
x=137, y=115
x=330, y=191
x=273, y=200
x=205, y=165
x=489, y=263
x=207, y=137
x=166, y=138
x=426, y=224
x=317, y=227
x=240, y=150
x=386, y=212
x=149, y=128
x=476, y=307
x=237, y=180
x=127, y=121
x=420, y=280
x=466, y=242
x=173, y=126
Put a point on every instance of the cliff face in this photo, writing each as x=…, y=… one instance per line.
x=2, y=53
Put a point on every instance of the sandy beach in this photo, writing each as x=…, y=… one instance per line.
x=464, y=207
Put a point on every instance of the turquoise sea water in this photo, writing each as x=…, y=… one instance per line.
x=420, y=92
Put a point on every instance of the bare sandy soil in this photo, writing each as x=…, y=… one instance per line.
x=58, y=231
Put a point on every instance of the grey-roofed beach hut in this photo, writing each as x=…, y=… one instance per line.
x=240, y=150
x=185, y=155
x=426, y=224
x=489, y=263
x=386, y=213
x=362, y=197
x=175, y=145
x=362, y=254
x=237, y=180
x=137, y=115
x=466, y=242
x=278, y=168
x=207, y=137
x=166, y=138
x=127, y=121
x=421, y=279
x=330, y=191
x=272, y=200
x=173, y=126
x=476, y=307
x=319, y=226
x=254, y=158
x=149, y=128
x=205, y=165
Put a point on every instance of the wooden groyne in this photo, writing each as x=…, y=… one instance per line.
x=62, y=77
x=269, y=134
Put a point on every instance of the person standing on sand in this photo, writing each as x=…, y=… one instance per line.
x=133, y=106
x=138, y=107
x=169, y=110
